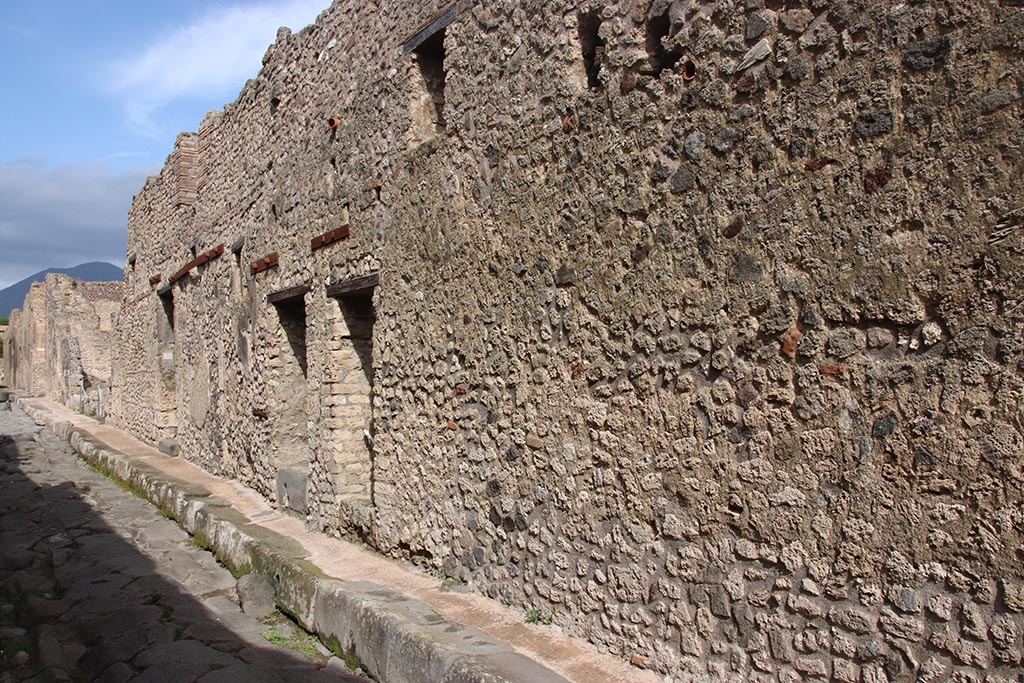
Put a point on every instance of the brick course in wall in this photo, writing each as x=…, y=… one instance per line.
x=695, y=325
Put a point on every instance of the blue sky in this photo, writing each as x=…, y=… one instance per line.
x=94, y=93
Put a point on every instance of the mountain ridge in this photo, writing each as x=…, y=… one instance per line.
x=93, y=271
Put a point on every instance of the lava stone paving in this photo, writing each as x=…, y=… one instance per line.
x=96, y=585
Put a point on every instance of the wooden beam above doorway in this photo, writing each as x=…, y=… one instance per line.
x=289, y=294
x=357, y=285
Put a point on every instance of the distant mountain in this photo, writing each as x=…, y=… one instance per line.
x=94, y=271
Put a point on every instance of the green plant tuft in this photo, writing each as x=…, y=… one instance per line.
x=297, y=641
x=352, y=660
x=447, y=582
x=535, y=616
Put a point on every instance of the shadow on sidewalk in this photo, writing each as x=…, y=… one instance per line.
x=80, y=602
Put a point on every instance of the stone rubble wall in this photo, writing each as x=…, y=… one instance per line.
x=24, y=340
x=3, y=350
x=699, y=324
x=59, y=343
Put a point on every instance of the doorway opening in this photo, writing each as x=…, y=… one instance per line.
x=166, y=418
x=350, y=393
x=290, y=420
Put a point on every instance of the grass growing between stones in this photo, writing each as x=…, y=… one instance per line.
x=353, y=662
x=447, y=582
x=538, y=618
x=15, y=644
x=124, y=485
x=285, y=633
x=349, y=656
x=200, y=541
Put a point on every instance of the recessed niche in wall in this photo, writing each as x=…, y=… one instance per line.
x=166, y=329
x=428, y=82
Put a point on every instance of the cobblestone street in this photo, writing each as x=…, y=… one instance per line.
x=96, y=585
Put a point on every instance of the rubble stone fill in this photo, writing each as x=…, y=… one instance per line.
x=695, y=325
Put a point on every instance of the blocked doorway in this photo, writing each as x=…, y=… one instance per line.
x=350, y=390
x=290, y=417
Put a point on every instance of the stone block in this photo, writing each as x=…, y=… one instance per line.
x=169, y=447
x=291, y=488
x=256, y=595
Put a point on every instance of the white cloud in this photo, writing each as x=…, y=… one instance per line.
x=60, y=217
x=210, y=58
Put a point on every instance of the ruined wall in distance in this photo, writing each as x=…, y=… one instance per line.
x=58, y=345
x=24, y=358
x=3, y=351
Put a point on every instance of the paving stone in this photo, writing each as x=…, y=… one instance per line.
x=109, y=650
x=152, y=535
x=128, y=618
x=116, y=673
x=173, y=672
x=182, y=650
x=49, y=675
x=242, y=672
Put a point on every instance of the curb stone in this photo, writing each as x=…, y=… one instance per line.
x=394, y=638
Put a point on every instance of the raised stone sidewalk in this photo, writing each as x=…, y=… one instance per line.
x=401, y=624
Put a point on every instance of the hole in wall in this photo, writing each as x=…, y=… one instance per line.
x=658, y=56
x=689, y=70
x=593, y=47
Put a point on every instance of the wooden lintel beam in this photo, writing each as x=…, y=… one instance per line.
x=288, y=294
x=329, y=237
x=442, y=18
x=183, y=272
x=358, y=285
x=155, y=279
x=196, y=262
x=268, y=261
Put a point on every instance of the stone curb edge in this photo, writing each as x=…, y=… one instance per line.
x=395, y=638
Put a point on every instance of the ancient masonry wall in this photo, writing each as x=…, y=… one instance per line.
x=696, y=325
x=59, y=343
x=3, y=351
x=24, y=358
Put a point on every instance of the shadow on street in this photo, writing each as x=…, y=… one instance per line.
x=96, y=586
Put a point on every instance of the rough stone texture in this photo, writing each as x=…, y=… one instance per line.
x=256, y=595
x=59, y=343
x=3, y=349
x=752, y=411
